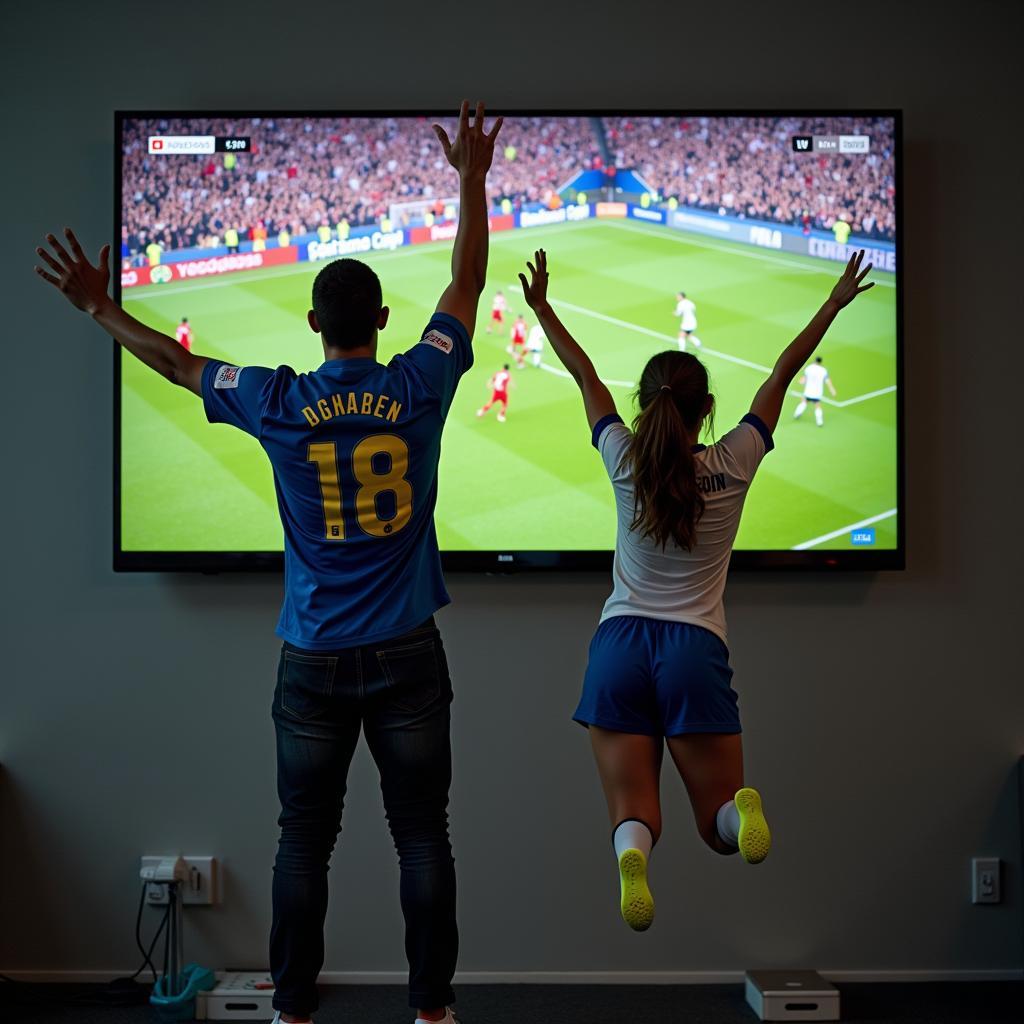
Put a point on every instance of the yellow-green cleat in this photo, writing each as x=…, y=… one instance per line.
x=637, y=903
x=755, y=838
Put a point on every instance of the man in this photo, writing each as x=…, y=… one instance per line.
x=183, y=334
x=686, y=310
x=535, y=344
x=497, y=311
x=814, y=379
x=518, y=339
x=154, y=251
x=355, y=447
x=499, y=384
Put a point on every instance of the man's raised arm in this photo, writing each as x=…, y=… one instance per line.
x=470, y=154
x=87, y=288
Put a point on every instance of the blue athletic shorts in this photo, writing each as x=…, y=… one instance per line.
x=657, y=678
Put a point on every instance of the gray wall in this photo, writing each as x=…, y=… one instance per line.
x=883, y=714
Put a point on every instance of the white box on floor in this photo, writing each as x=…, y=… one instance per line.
x=235, y=997
x=792, y=995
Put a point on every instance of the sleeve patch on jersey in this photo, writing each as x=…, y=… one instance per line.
x=227, y=377
x=439, y=340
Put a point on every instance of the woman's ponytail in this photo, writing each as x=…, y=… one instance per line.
x=673, y=398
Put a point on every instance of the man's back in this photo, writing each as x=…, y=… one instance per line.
x=355, y=448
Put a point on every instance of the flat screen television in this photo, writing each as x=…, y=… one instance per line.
x=223, y=220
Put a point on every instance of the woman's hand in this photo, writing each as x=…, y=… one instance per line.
x=536, y=292
x=848, y=287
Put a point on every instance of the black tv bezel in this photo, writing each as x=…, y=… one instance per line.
x=504, y=562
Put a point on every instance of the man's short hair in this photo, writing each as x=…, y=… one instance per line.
x=347, y=301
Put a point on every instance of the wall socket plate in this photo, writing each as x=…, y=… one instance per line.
x=203, y=886
x=985, y=887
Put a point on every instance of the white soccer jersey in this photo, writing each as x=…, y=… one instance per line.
x=686, y=309
x=814, y=381
x=678, y=585
x=535, y=341
x=499, y=304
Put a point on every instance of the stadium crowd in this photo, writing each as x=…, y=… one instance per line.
x=306, y=175
x=747, y=167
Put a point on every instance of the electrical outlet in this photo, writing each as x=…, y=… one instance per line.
x=202, y=886
x=985, y=886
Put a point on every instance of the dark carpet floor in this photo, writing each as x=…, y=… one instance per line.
x=942, y=1003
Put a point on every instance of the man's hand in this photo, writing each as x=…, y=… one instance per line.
x=536, y=292
x=471, y=152
x=84, y=285
x=848, y=287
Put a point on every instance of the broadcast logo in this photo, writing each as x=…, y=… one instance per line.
x=802, y=143
x=863, y=538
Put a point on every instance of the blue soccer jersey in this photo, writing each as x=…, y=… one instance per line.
x=354, y=446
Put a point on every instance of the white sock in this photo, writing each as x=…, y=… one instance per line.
x=695, y=340
x=632, y=835
x=799, y=410
x=819, y=416
x=728, y=823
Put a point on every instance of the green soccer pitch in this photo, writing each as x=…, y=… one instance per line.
x=534, y=482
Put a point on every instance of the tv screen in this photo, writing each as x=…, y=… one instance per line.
x=726, y=229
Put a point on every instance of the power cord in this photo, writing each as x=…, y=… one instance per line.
x=119, y=992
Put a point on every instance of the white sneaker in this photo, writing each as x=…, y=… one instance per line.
x=448, y=1018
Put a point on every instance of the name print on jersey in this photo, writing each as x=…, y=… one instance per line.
x=711, y=482
x=350, y=404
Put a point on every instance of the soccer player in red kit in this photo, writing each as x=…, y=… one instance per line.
x=184, y=334
x=518, y=339
x=497, y=311
x=499, y=384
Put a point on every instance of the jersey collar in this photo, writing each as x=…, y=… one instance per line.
x=355, y=362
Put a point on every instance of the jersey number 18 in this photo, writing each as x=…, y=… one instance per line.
x=371, y=484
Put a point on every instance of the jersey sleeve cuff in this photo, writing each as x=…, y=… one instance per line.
x=602, y=424
x=206, y=386
x=762, y=428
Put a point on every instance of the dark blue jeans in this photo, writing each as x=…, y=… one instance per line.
x=400, y=693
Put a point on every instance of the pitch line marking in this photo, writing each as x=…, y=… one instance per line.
x=844, y=529
x=710, y=351
x=793, y=263
x=559, y=372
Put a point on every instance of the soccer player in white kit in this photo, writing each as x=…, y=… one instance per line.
x=535, y=343
x=658, y=673
x=686, y=310
x=814, y=379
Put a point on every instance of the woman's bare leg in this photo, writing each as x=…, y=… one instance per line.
x=711, y=766
x=630, y=770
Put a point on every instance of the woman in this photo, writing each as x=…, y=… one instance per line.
x=659, y=670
